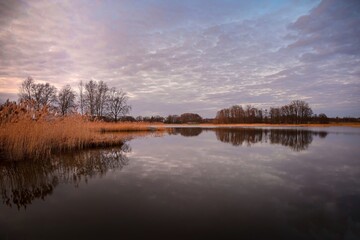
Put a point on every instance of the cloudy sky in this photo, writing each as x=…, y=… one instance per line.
x=175, y=56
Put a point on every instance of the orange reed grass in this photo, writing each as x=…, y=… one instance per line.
x=25, y=138
x=126, y=126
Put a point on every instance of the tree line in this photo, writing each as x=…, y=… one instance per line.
x=296, y=112
x=95, y=99
x=174, y=119
x=99, y=101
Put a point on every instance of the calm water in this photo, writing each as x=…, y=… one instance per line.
x=190, y=184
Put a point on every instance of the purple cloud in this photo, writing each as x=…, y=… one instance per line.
x=175, y=54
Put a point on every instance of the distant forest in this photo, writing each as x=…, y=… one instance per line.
x=296, y=112
x=98, y=101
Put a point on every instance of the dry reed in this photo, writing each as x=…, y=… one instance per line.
x=25, y=138
x=126, y=126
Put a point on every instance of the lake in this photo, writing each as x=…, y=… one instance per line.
x=191, y=183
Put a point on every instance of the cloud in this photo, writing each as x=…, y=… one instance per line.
x=330, y=29
x=327, y=48
x=188, y=56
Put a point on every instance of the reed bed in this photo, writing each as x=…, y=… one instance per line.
x=126, y=126
x=28, y=139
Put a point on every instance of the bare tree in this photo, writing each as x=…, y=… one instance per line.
x=190, y=118
x=173, y=119
x=117, y=104
x=25, y=91
x=302, y=111
x=90, y=97
x=101, y=98
x=81, y=97
x=66, y=100
x=43, y=94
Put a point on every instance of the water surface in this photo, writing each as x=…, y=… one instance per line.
x=254, y=183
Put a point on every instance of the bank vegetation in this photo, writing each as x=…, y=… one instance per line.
x=24, y=137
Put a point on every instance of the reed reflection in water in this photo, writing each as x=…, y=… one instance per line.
x=23, y=182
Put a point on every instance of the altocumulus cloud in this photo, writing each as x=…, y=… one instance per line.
x=189, y=56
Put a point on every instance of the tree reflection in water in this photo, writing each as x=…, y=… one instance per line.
x=186, y=132
x=22, y=182
x=296, y=139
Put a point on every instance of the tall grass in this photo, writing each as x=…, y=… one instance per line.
x=105, y=127
x=29, y=139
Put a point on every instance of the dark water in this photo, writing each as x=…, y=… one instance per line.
x=192, y=184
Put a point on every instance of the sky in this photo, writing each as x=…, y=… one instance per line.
x=176, y=56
